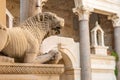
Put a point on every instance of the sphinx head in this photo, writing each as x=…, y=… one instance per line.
x=55, y=23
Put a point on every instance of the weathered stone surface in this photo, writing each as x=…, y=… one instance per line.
x=63, y=8
x=14, y=7
x=71, y=22
x=30, y=71
x=103, y=67
x=3, y=12
x=23, y=42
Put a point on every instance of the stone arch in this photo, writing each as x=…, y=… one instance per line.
x=68, y=63
x=63, y=8
x=71, y=66
x=69, y=59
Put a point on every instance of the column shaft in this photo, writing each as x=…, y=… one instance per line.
x=30, y=8
x=117, y=47
x=24, y=10
x=85, y=50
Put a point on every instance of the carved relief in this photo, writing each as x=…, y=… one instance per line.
x=115, y=19
x=23, y=42
x=97, y=41
x=83, y=12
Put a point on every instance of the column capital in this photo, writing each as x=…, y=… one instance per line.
x=115, y=20
x=83, y=12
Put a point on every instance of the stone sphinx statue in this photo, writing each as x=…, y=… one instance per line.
x=22, y=43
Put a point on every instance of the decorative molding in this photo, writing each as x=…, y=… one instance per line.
x=102, y=70
x=83, y=12
x=102, y=57
x=115, y=19
x=25, y=68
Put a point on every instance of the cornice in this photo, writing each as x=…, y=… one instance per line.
x=115, y=19
x=83, y=12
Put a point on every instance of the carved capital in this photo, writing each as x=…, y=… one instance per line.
x=115, y=20
x=83, y=12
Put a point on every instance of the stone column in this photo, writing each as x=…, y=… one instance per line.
x=116, y=25
x=30, y=8
x=3, y=12
x=23, y=10
x=35, y=6
x=85, y=62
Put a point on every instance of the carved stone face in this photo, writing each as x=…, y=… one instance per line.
x=55, y=23
x=3, y=37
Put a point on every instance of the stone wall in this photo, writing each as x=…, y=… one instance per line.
x=2, y=12
x=14, y=7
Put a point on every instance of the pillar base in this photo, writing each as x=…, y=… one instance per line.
x=99, y=50
x=103, y=67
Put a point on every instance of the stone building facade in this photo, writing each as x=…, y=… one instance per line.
x=80, y=17
x=71, y=20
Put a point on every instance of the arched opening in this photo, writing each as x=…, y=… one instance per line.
x=63, y=8
x=68, y=64
x=70, y=69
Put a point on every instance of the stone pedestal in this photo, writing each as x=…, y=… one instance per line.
x=103, y=67
x=99, y=50
x=73, y=74
x=30, y=71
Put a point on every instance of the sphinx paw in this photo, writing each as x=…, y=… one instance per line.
x=57, y=58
